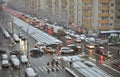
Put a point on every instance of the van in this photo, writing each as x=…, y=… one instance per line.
x=29, y=72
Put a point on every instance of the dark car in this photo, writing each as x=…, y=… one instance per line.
x=15, y=52
x=2, y=51
x=100, y=50
x=36, y=52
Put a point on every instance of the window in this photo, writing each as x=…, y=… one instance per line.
x=111, y=17
x=112, y=11
x=112, y=4
x=111, y=24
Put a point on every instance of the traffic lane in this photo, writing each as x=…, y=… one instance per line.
x=115, y=49
x=106, y=65
x=40, y=65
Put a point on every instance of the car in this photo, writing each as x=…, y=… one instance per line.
x=66, y=50
x=15, y=52
x=74, y=47
x=24, y=59
x=35, y=52
x=91, y=45
x=49, y=50
x=100, y=50
x=30, y=72
x=108, y=54
x=5, y=64
x=90, y=39
x=82, y=36
x=68, y=37
x=4, y=57
x=2, y=52
x=77, y=40
x=15, y=63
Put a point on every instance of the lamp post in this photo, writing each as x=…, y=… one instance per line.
x=10, y=27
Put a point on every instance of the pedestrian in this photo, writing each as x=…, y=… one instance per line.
x=48, y=70
x=70, y=62
x=118, y=52
x=48, y=63
x=57, y=63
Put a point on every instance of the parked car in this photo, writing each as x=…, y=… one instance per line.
x=4, y=57
x=15, y=63
x=30, y=72
x=24, y=59
x=2, y=52
x=5, y=64
x=15, y=52
x=66, y=50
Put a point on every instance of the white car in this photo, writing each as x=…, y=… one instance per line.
x=24, y=59
x=77, y=40
x=16, y=63
x=66, y=50
x=29, y=72
x=68, y=37
x=5, y=63
x=4, y=57
x=90, y=39
x=82, y=37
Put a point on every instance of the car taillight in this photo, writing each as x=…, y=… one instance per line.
x=119, y=66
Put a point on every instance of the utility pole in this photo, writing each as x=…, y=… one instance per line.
x=28, y=45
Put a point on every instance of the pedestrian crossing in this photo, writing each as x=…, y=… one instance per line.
x=50, y=68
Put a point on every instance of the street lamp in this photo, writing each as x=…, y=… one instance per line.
x=28, y=54
x=10, y=27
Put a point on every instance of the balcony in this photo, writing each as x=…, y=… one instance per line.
x=103, y=28
x=117, y=0
x=103, y=21
x=89, y=1
x=103, y=8
x=117, y=20
x=117, y=14
x=104, y=1
x=87, y=26
x=104, y=14
x=87, y=20
x=117, y=7
x=86, y=14
x=117, y=27
x=86, y=7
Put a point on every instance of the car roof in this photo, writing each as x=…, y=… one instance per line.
x=30, y=71
x=5, y=62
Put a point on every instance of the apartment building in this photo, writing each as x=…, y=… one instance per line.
x=95, y=15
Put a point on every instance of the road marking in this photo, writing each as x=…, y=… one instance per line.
x=40, y=68
x=0, y=67
x=110, y=68
x=36, y=69
x=16, y=75
x=10, y=75
x=44, y=68
x=92, y=58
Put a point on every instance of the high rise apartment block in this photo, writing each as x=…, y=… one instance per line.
x=95, y=15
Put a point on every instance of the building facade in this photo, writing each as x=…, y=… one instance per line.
x=95, y=15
